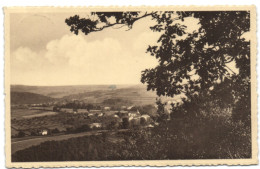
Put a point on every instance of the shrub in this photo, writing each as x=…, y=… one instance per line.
x=21, y=134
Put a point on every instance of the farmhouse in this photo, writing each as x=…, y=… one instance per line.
x=95, y=125
x=123, y=108
x=130, y=107
x=146, y=117
x=122, y=114
x=106, y=108
x=133, y=113
x=150, y=126
x=116, y=116
x=43, y=132
x=90, y=114
x=135, y=121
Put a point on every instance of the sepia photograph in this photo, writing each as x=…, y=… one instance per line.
x=116, y=86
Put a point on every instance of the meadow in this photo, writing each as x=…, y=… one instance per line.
x=29, y=113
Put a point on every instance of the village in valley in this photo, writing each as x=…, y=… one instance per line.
x=77, y=114
x=96, y=118
x=61, y=120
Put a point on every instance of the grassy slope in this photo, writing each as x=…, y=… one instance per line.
x=29, y=98
x=136, y=94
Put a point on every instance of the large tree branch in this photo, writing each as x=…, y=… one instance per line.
x=123, y=24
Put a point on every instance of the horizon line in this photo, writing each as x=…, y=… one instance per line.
x=78, y=85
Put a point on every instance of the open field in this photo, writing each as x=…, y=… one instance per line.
x=47, y=113
x=23, y=144
x=29, y=113
x=55, y=120
x=27, y=119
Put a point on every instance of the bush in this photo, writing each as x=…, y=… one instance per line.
x=55, y=131
x=21, y=134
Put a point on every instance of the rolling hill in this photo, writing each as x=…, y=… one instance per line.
x=135, y=94
x=29, y=98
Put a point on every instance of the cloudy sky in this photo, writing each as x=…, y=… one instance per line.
x=45, y=52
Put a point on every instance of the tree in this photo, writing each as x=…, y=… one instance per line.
x=21, y=134
x=54, y=131
x=205, y=53
x=126, y=123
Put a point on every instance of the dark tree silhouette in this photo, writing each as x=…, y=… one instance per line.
x=206, y=52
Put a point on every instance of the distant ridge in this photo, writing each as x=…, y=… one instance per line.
x=29, y=98
x=61, y=91
x=136, y=94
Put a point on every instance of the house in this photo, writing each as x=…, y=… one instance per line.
x=130, y=107
x=133, y=113
x=43, y=132
x=122, y=114
x=146, y=117
x=150, y=126
x=106, y=108
x=123, y=108
x=135, y=121
x=116, y=116
x=95, y=125
x=91, y=114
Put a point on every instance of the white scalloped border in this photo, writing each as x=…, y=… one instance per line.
x=203, y=162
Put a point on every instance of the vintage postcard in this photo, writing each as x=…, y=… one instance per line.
x=130, y=86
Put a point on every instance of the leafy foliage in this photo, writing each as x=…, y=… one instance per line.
x=191, y=63
x=205, y=52
x=214, y=119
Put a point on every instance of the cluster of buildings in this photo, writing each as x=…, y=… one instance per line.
x=127, y=117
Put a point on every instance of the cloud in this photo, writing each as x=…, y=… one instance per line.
x=75, y=60
x=24, y=54
x=106, y=57
x=24, y=59
x=77, y=52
